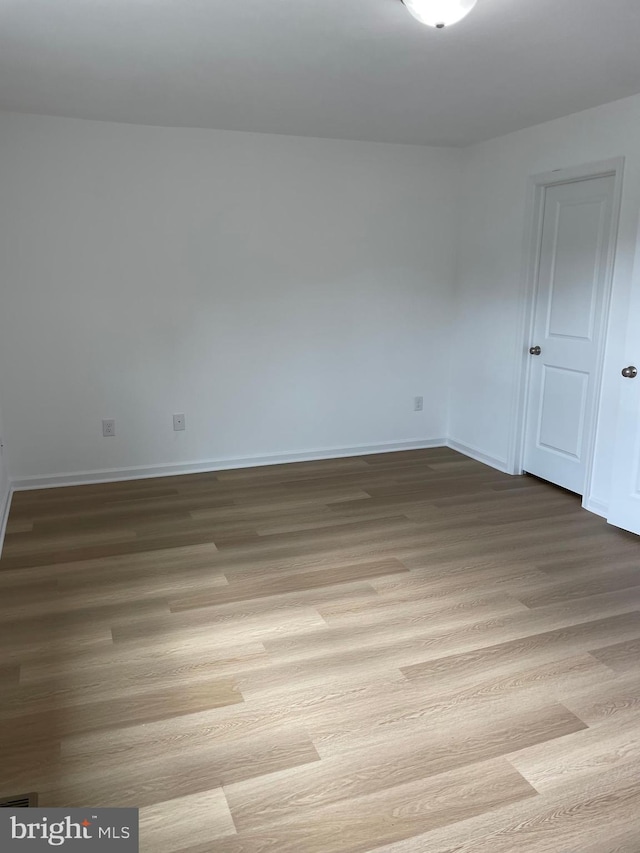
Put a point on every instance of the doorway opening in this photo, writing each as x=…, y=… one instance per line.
x=573, y=234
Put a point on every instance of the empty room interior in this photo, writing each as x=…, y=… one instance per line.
x=320, y=426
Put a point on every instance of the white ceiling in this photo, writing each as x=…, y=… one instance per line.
x=348, y=69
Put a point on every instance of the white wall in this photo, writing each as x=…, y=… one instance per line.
x=4, y=484
x=488, y=347
x=287, y=294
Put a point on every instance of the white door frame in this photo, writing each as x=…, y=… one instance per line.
x=537, y=186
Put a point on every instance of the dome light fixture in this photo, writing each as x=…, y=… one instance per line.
x=439, y=13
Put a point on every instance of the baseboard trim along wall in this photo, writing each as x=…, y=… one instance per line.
x=596, y=506
x=4, y=516
x=144, y=472
x=479, y=456
x=111, y=475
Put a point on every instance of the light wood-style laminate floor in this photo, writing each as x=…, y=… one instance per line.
x=403, y=653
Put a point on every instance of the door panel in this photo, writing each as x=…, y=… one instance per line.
x=574, y=246
x=562, y=388
x=573, y=286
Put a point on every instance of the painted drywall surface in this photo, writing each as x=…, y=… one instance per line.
x=286, y=294
x=4, y=485
x=488, y=349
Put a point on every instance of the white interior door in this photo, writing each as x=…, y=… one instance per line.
x=566, y=346
x=624, y=508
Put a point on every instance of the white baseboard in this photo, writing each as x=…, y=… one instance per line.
x=479, y=455
x=144, y=472
x=596, y=506
x=4, y=516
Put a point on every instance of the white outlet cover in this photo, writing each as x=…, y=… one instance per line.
x=108, y=427
x=179, y=423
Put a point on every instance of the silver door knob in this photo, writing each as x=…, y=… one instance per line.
x=534, y=350
x=630, y=372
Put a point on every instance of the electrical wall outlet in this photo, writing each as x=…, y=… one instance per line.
x=179, y=423
x=418, y=404
x=108, y=427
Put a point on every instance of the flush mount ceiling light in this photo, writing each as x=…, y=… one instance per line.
x=439, y=13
